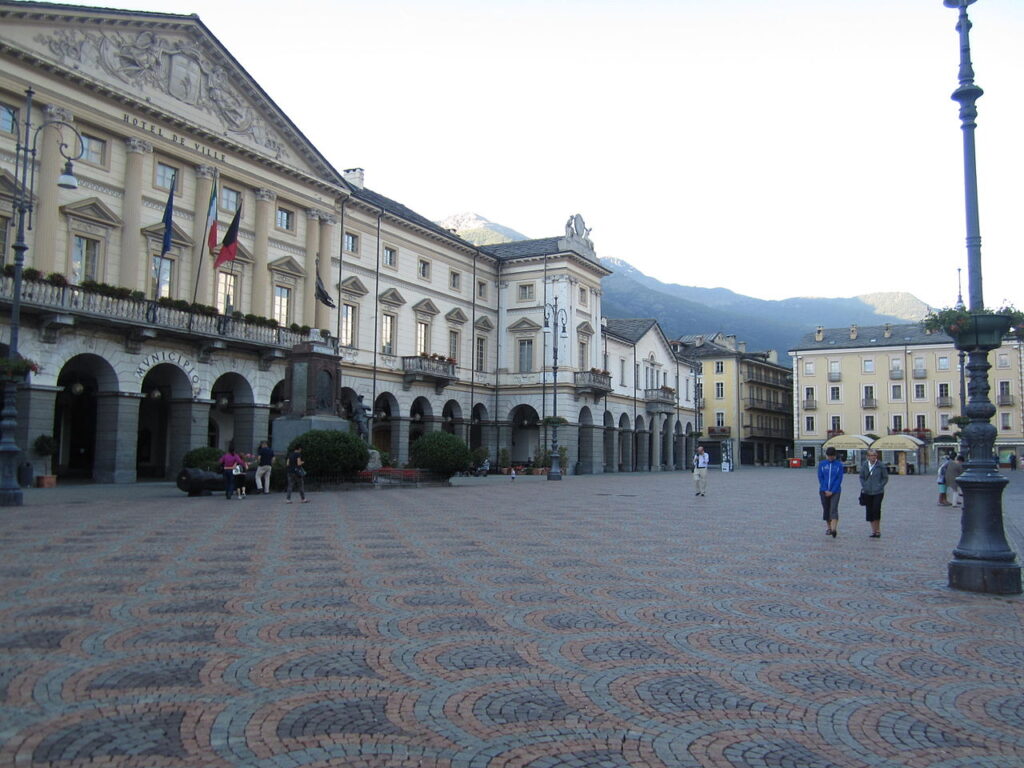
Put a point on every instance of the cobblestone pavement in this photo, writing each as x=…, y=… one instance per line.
x=604, y=621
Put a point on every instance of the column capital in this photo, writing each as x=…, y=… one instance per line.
x=206, y=171
x=139, y=146
x=328, y=218
x=54, y=112
x=264, y=195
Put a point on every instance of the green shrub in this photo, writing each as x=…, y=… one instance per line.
x=203, y=458
x=440, y=452
x=478, y=455
x=328, y=453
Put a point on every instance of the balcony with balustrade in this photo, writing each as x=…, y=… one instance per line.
x=592, y=383
x=1004, y=398
x=431, y=369
x=944, y=401
x=869, y=403
x=660, y=400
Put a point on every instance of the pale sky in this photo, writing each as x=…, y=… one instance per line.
x=806, y=148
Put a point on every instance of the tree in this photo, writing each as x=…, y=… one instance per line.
x=440, y=452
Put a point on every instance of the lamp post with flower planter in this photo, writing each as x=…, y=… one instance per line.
x=983, y=560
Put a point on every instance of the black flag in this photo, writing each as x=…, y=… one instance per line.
x=321, y=292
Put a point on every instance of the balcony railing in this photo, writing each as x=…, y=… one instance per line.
x=920, y=373
x=66, y=303
x=592, y=383
x=719, y=431
x=771, y=379
x=660, y=400
x=895, y=374
x=753, y=431
x=944, y=401
x=835, y=376
x=920, y=434
x=439, y=372
x=868, y=402
x=810, y=405
x=766, y=405
x=1004, y=398
x=834, y=432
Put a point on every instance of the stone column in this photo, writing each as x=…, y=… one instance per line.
x=265, y=199
x=399, y=440
x=51, y=163
x=590, y=449
x=133, y=248
x=203, y=268
x=188, y=428
x=611, y=449
x=35, y=418
x=251, y=421
x=118, y=413
x=309, y=301
x=655, y=443
x=569, y=435
x=626, y=440
x=322, y=312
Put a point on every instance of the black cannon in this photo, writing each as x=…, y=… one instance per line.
x=199, y=482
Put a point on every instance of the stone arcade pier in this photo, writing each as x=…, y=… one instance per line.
x=609, y=620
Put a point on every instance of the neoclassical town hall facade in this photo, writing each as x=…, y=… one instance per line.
x=429, y=330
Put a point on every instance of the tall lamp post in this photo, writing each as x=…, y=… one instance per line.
x=553, y=316
x=983, y=561
x=25, y=177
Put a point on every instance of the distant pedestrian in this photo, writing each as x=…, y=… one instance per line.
x=266, y=457
x=296, y=475
x=873, y=477
x=700, y=471
x=830, y=486
x=953, y=472
x=230, y=464
x=512, y=472
x=1013, y=462
x=943, y=466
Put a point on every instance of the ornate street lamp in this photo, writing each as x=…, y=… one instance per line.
x=557, y=317
x=983, y=561
x=24, y=178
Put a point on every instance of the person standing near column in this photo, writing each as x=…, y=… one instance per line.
x=700, y=471
x=953, y=472
x=873, y=477
x=266, y=456
x=830, y=486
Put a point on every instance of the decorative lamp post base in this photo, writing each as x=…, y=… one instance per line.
x=985, y=576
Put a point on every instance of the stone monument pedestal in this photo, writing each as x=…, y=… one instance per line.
x=287, y=428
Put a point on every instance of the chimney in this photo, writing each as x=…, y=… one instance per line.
x=888, y=330
x=742, y=346
x=819, y=334
x=853, y=330
x=354, y=176
x=730, y=341
x=773, y=356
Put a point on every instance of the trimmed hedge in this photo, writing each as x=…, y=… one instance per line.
x=203, y=458
x=440, y=452
x=328, y=454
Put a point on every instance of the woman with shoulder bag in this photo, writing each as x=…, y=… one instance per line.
x=296, y=475
x=873, y=477
x=228, y=463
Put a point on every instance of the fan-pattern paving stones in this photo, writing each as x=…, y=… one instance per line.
x=600, y=622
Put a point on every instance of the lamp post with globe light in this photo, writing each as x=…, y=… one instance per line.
x=555, y=318
x=983, y=560
x=24, y=182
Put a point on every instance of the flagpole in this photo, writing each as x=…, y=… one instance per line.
x=206, y=232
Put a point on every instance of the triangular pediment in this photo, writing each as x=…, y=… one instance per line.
x=354, y=286
x=288, y=266
x=483, y=324
x=391, y=296
x=93, y=210
x=456, y=316
x=179, y=236
x=426, y=307
x=585, y=328
x=154, y=64
x=9, y=187
x=524, y=325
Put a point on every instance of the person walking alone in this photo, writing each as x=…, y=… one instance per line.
x=953, y=472
x=700, y=471
x=266, y=457
x=943, y=501
x=830, y=487
x=296, y=475
x=873, y=477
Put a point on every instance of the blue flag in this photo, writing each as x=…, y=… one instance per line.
x=169, y=217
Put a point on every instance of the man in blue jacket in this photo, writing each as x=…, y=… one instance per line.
x=830, y=486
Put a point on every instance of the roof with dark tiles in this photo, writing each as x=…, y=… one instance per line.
x=911, y=334
x=629, y=328
x=395, y=208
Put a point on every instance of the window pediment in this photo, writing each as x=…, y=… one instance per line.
x=524, y=325
x=178, y=235
x=391, y=296
x=456, y=316
x=94, y=211
x=354, y=286
x=286, y=266
x=585, y=328
x=426, y=307
x=484, y=324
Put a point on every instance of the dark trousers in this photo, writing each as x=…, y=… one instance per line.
x=229, y=483
x=873, y=509
x=298, y=483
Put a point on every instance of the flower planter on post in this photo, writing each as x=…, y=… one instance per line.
x=983, y=561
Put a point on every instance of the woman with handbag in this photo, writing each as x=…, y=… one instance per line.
x=873, y=477
x=296, y=475
x=232, y=464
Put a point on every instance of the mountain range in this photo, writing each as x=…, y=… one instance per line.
x=685, y=310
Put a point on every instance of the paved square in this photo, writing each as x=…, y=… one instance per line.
x=601, y=621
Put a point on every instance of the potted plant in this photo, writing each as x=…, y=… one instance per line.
x=45, y=447
x=17, y=369
x=503, y=461
x=983, y=329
